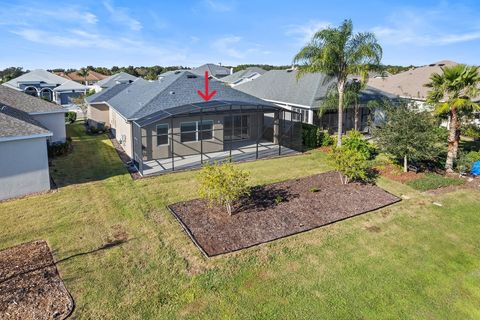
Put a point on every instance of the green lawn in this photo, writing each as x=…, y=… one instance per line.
x=412, y=260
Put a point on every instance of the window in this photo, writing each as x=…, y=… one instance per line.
x=162, y=134
x=196, y=131
x=206, y=129
x=302, y=115
x=236, y=127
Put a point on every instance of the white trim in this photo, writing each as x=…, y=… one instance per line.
x=13, y=138
x=289, y=104
x=47, y=112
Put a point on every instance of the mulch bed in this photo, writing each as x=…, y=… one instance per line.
x=124, y=157
x=30, y=286
x=307, y=203
x=394, y=173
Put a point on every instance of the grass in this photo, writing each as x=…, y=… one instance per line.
x=433, y=181
x=410, y=260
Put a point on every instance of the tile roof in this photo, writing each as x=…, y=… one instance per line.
x=92, y=76
x=25, y=102
x=243, y=74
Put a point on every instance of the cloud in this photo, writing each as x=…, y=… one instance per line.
x=435, y=26
x=236, y=47
x=304, y=32
x=220, y=6
x=225, y=46
x=121, y=16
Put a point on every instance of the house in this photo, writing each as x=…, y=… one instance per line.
x=410, y=84
x=27, y=125
x=121, y=77
x=48, y=86
x=165, y=125
x=91, y=78
x=215, y=71
x=305, y=95
x=243, y=76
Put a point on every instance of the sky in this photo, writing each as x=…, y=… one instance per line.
x=73, y=34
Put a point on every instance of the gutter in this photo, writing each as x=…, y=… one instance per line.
x=13, y=138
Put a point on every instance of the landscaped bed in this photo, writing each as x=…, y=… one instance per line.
x=278, y=210
x=30, y=287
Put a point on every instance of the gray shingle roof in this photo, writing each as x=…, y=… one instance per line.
x=309, y=90
x=70, y=85
x=114, y=79
x=25, y=102
x=107, y=94
x=143, y=98
x=283, y=86
x=213, y=70
x=243, y=74
x=15, y=123
x=36, y=76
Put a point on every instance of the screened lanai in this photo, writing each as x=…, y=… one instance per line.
x=188, y=136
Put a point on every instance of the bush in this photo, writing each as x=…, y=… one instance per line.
x=351, y=163
x=354, y=140
x=222, y=184
x=433, y=181
x=59, y=149
x=70, y=117
x=466, y=160
x=471, y=131
x=313, y=136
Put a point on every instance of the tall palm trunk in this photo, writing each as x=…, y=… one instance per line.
x=452, y=141
x=341, y=93
x=357, y=113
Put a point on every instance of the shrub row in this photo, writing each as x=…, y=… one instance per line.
x=313, y=136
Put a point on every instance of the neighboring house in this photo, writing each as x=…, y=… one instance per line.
x=243, y=76
x=169, y=73
x=410, y=84
x=121, y=77
x=165, y=125
x=215, y=71
x=48, y=86
x=305, y=95
x=92, y=77
x=27, y=125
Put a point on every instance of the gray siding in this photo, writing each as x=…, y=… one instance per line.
x=24, y=167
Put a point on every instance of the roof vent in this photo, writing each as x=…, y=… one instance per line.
x=289, y=70
x=177, y=72
x=441, y=64
x=191, y=76
x=432, y=65
x=172, y=92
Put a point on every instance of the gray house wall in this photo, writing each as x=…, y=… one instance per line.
x=24, y=168
x=54, y=122
x=152, y=151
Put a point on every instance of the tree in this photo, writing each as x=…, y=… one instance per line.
x=408, y=135
x=452, y=93
x=351, y=100
x=10, y=73
x=222, y=184
x=84, y=72
x=82, y=104
x=340, y=53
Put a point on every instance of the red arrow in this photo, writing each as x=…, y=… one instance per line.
x=206, y=96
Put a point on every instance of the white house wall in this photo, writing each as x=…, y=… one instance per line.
x=24, y=167
x=122, y=129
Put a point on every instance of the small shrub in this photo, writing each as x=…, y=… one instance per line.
x=466, y=160
x=222, y=184
x=327, y=140
x=351, y=163
x=471, y=131
x=354, y=140
x=59, y=149
x=70, y=117
x=313, y=190
x=433, y=181
x=279, y=199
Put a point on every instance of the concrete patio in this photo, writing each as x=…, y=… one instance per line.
x=240, y=152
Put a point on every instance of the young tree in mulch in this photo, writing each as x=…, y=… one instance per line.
x=222, y=184
x=351, y=159
x=409, y=135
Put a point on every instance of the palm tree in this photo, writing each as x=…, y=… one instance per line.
x=83, y=72
x=452, y=93
x=340, y=53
